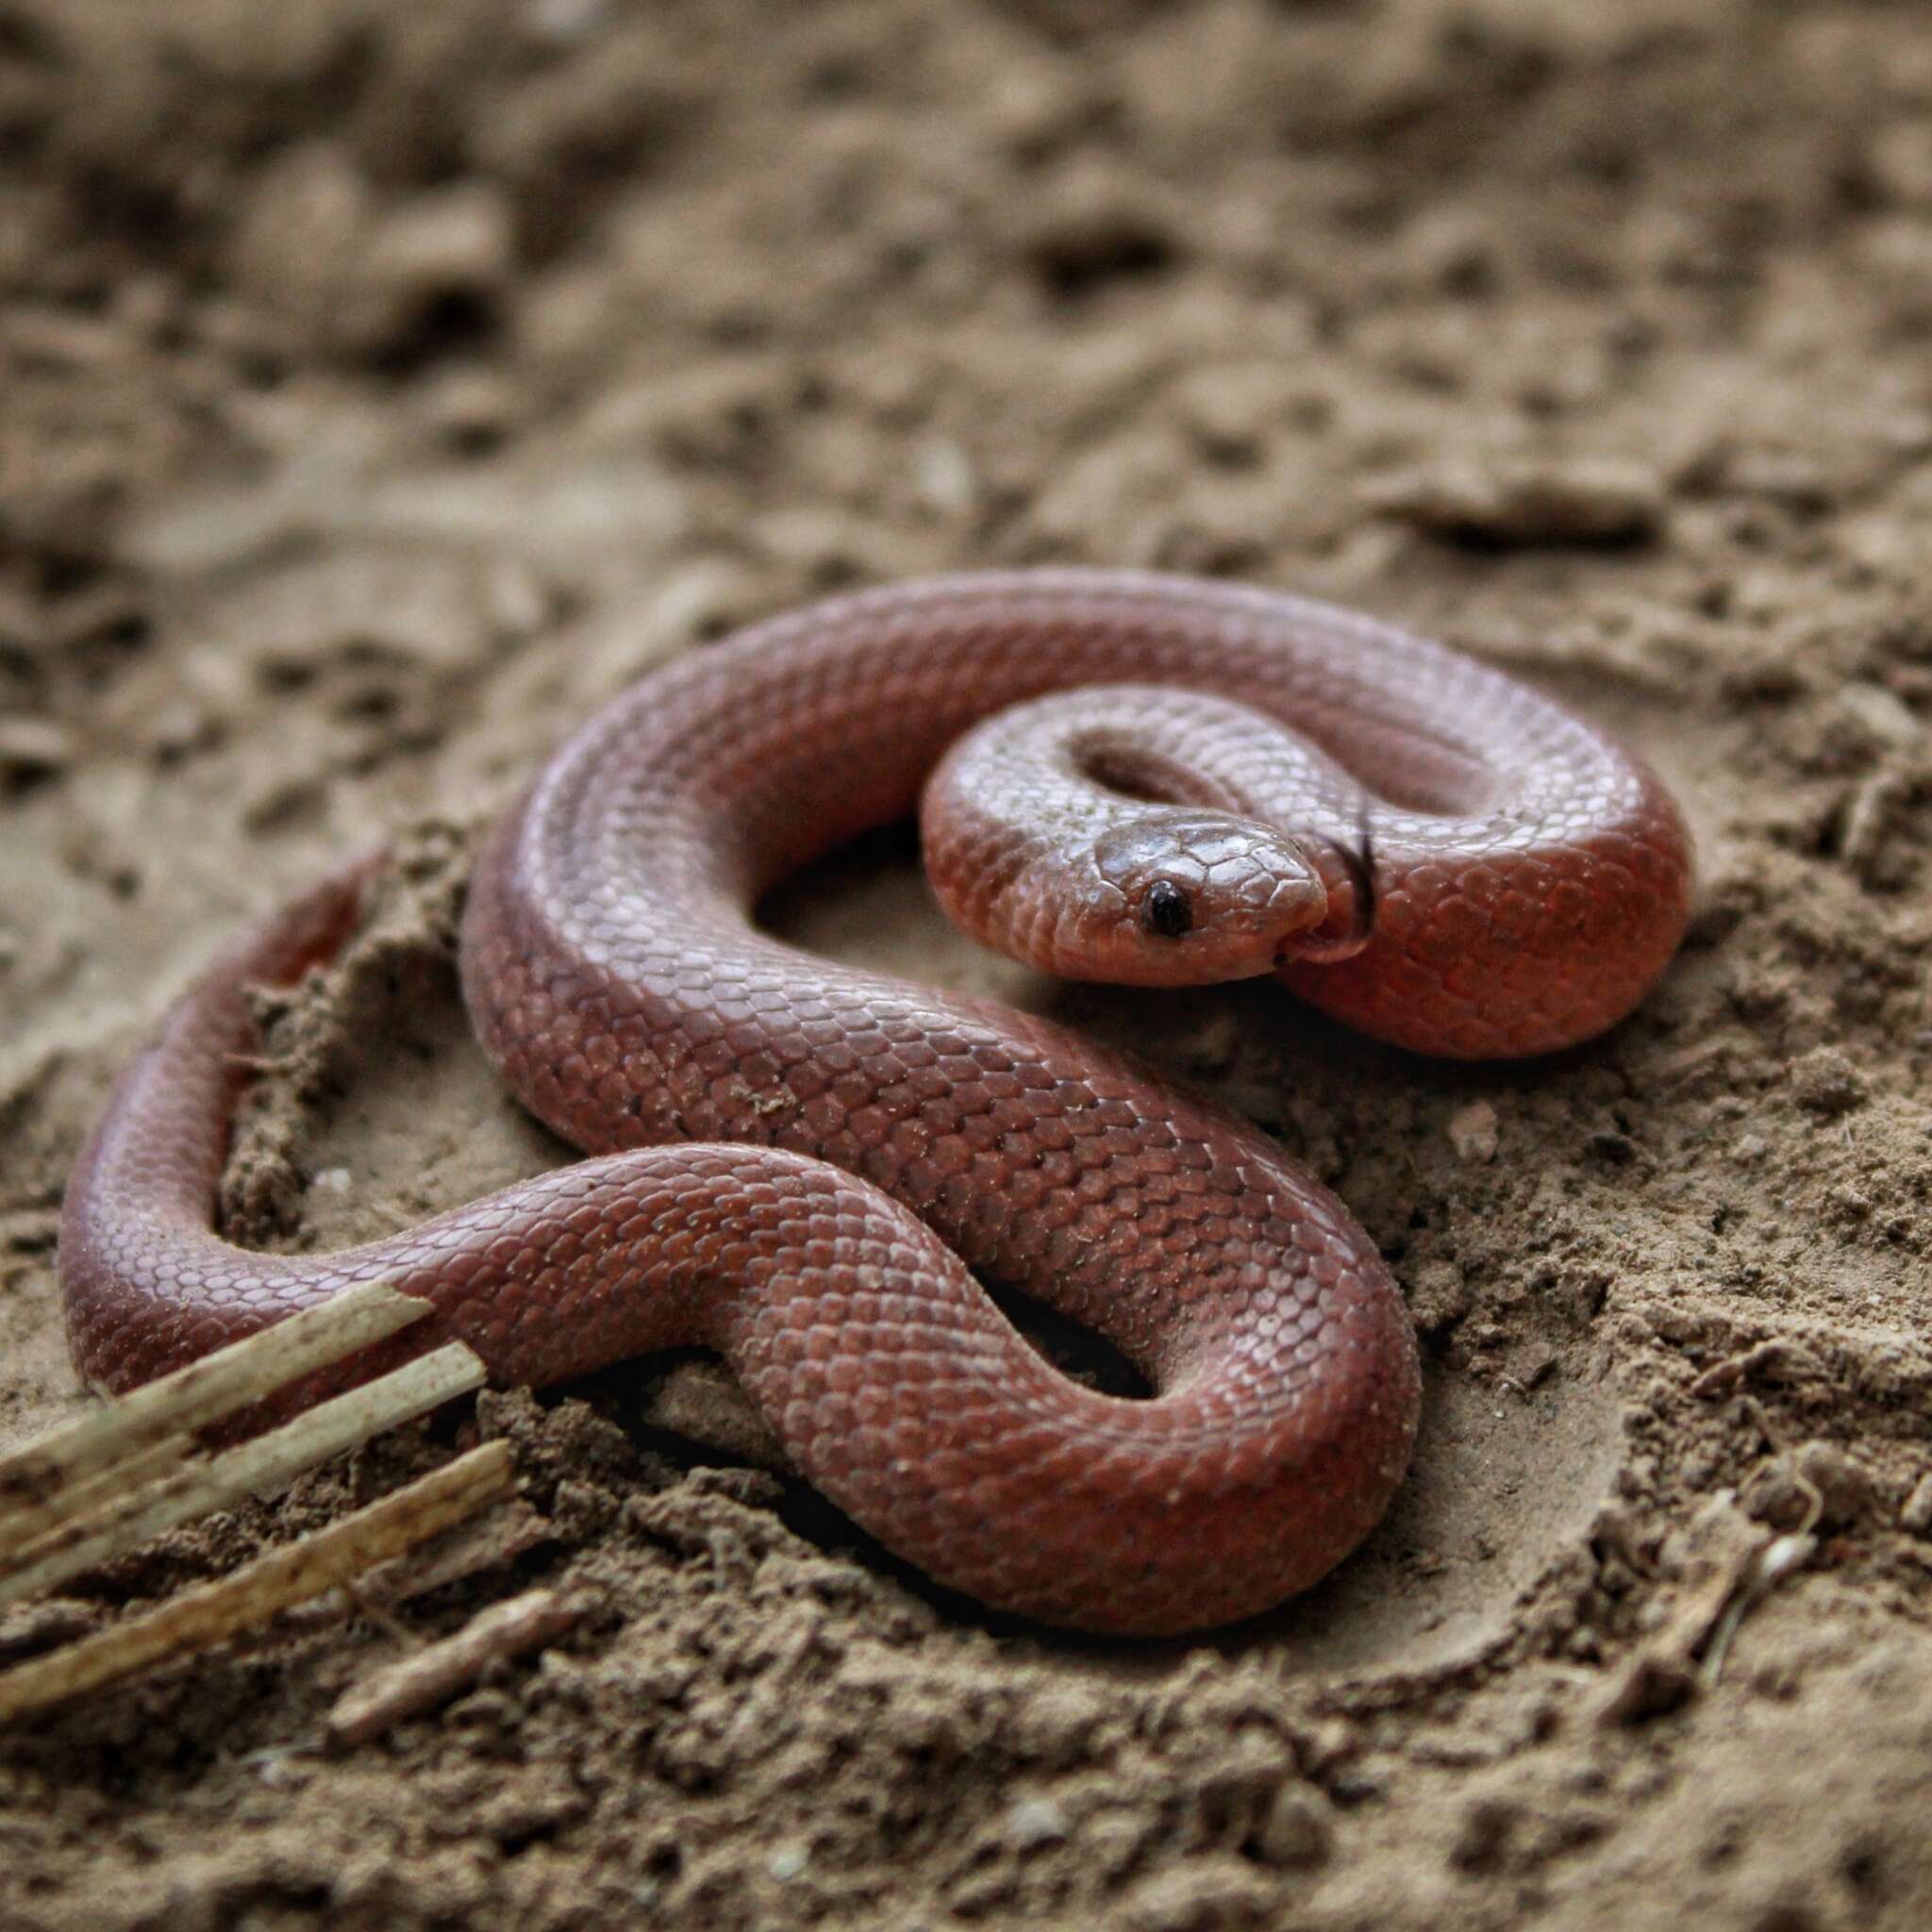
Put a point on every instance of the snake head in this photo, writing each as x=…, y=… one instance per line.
x=1184, y=896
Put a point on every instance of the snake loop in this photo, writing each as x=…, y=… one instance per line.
x=805, y=1166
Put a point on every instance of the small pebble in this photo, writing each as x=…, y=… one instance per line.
x=1035, y=1822
x=1915, y=1514
x=1473, y=1131
x=943, y=476
x=1299, y=1828
x=787, y=1862
x=1882, y=712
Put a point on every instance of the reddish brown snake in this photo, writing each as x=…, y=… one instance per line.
x=1434, y=854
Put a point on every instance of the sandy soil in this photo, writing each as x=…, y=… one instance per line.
x=385, y=386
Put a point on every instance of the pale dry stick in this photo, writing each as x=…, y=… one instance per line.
x=219, y=1610
x=436, y=1673
x=25, y=1528
x=255, y=1469
x=201, y=1393
x=510, y=1532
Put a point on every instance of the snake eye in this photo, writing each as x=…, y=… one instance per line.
x=1166, y=910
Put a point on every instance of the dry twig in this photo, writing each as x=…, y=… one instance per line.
x=100, y=1487
x=203, y=1617
x=33, y=1478
x=159, y=1491
x=435, y=1674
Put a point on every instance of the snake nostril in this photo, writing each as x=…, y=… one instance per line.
x=1166, y=910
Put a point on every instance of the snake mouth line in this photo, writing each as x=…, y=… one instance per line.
x=1336, y=939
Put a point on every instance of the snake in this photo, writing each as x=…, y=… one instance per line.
x=820, y=1172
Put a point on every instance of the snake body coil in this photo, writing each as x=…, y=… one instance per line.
x=801, y=1165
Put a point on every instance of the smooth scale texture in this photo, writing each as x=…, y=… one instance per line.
x=1438, y=856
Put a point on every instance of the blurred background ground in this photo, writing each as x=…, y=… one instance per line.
x=380, y=388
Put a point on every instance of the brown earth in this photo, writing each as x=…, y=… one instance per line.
x=385, y=386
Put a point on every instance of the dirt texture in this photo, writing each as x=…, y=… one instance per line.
x=382, y=388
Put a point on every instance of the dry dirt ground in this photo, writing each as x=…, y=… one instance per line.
x=381, y=387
